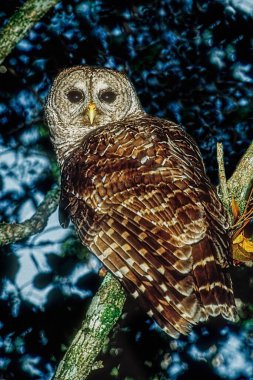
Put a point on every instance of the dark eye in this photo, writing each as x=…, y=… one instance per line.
x=107, y=96
x=75, y=96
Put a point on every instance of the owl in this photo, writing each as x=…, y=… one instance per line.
x=135, y=187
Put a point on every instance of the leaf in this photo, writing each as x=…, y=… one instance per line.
x=242, y=248
x=241, y=239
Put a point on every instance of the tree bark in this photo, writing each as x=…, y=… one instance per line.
x=240, y=183
x=11, y=233
x=20, y=22
x=104, y=311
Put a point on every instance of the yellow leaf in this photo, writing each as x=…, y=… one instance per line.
x=239, y=239
x=247, y=245
x=242, y=248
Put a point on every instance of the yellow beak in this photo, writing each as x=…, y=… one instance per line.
x=91, y=112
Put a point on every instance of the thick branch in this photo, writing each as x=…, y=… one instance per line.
x=10, y=233
x=104, y=311
x=21, y=21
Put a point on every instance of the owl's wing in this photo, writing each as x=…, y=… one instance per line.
x=160, y=247
x=157, y=224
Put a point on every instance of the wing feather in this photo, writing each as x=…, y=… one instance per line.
x=153, y=287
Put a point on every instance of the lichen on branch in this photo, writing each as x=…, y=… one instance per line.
x=239, y=185
x=20, y=22
x=13, y=232
x=241, y=182
x=104, y=311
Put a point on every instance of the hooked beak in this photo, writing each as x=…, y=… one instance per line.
x=91, y=112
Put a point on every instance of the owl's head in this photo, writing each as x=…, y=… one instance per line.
x=84, y=98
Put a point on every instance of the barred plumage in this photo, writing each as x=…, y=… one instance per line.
x=136, y=189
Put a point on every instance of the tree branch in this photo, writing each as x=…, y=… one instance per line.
x=10, y=233
x=240, y=184
x=104, y=311
x=222, y=188
x=20, y=22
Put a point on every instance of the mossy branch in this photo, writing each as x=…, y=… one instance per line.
x=21, y=21
x=13, y=232
x=241, y=182
x=104, y=311
x=222, y=188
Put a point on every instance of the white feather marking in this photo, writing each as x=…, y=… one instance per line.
x=124, y=270
x=144, y=159
x=130, y=261
x=150, y=313
x=119, y=274
x=160, y=308
x=164, y=287
x=203, y=262
x=161, y=270
x=135, y=294
x=144, y=267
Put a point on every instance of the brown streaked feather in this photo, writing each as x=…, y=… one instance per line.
x=139, y=197
x=150, y=289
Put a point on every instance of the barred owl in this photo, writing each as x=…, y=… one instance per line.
x=136, y=189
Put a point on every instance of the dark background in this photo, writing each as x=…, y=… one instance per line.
x=191, y=62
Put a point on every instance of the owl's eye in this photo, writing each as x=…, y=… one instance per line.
x=107, y=96
x=75, y=96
